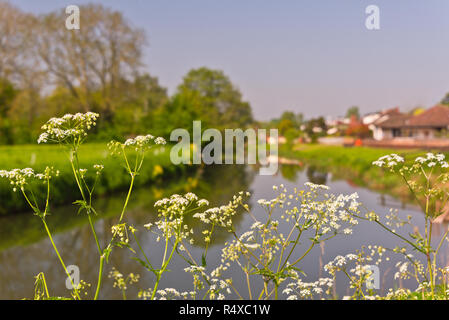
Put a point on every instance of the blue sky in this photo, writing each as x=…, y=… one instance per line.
x=313, y=56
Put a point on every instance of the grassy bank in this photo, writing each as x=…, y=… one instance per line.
x=353, y=163
x=114, y=177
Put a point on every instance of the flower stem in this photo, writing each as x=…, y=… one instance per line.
x=60, y=259
x=128, y=196
x=100, y=276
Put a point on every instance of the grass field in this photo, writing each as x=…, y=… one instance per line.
x=114, y=177
x=354, y=164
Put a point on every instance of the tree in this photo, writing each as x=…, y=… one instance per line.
x=445, y=99
x=14, y=45
x=97, y=57
x=7, y=95
x=285, y=125
x=353, y=111
x=210, y=96
x=291, y=134
x=315, y=127
x=137, y=105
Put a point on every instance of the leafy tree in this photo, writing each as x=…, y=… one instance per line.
x=7, y=95
x=353, y=111
x=445, y=99
x=206, y=95
x=292, y=134
x=296, y=119
x=285, y=125
x=96, y=58
x=315, y=128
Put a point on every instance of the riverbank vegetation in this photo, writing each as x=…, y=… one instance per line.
x=269, y=260
x=158, y=166
x=353, y=164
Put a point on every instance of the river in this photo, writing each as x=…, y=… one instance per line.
x=25, y=251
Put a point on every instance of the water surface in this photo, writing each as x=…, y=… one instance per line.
x=25, y=251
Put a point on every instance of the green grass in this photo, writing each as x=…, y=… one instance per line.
x=114, y=178
x=354, y=164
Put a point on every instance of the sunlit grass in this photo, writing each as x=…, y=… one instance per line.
x=39, y=156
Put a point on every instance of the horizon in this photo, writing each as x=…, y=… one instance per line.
x=316, y=58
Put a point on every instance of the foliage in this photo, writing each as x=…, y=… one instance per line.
x=295, y=120
x=44, y=72
x=291, y=134
x=315, y=128
x=353, y=111
x=353, y=164
x=264, y=255
x=359, y=130
x=206, y=95
x=445, y=100
x=114, y=176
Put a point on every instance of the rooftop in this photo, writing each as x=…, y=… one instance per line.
x=437, y=116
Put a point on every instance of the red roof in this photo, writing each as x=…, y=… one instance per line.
x=437, y=116
x=393, y=121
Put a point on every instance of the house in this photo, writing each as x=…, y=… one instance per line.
x=430, y=124
x=370, y=118
x=337, y=125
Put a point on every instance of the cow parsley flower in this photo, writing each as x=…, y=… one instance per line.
x=390, y=161
x=69, y=129
x=19, y=178
x=139, y=143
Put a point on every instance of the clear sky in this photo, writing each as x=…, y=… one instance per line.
x=313, y=56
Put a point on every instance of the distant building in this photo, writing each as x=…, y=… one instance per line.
x=429, y=124
x=370, y=118
x=337, y=125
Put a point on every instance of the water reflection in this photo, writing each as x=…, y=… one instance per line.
x=25, y=250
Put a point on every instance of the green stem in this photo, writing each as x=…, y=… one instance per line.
x=163, y=268
x=60, y=259
x=133, y=176
x=100, y=276
x=305, y=253
x=100, y=273
x=249, y=286
x=143, y=252
x=95, y=234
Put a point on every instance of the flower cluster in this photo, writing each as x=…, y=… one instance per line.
x=18, y=178
x=389, y=161
x=327, y=214
x=304, y=290
x=432, y=160
x=215, y=286
x=120, y=281
x=340, y=263
x=398, y=294
x=120, y=233
x=139, y=143
x=98, y=168
x=71, y=128
x=222, y=216
x=165, y=294
x=172, y=212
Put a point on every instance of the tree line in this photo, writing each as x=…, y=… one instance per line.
x=47, y=70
